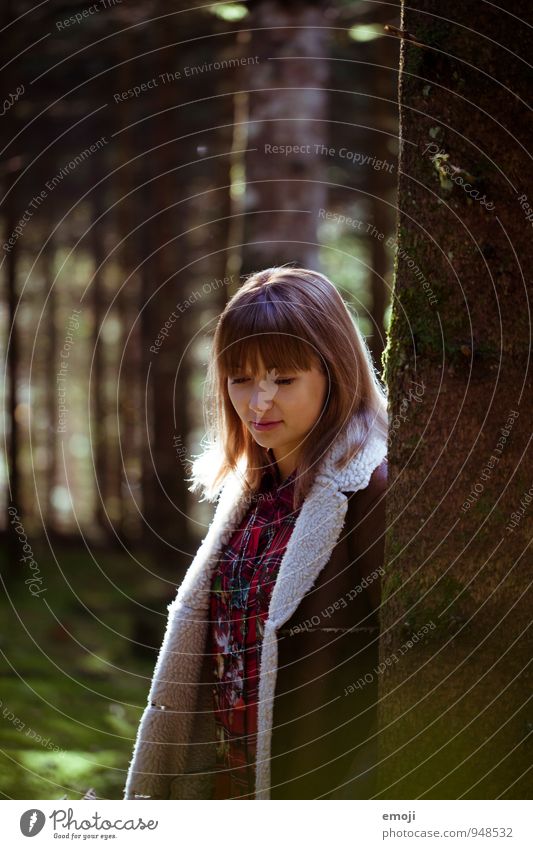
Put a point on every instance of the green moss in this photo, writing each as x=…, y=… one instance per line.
x=392, y=582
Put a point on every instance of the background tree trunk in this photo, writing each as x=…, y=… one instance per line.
x=381, y=213
x=130, y=394
x=455, y=710
x=171, y=185
x=14, y=499
x=99, y=400
x=287, y=106
x=50, y=290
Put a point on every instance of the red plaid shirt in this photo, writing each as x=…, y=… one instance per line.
x=240, y=596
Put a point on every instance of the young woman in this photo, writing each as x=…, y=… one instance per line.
x=263, y=686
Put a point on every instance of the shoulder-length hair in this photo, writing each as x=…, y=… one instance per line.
x=290, y=318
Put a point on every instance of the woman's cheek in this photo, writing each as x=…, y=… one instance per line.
x=242, y=399
x=300, y=401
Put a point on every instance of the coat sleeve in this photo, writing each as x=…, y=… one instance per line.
x=174, y=751
x=159, y=768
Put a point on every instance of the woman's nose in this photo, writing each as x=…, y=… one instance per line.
x=258, y=403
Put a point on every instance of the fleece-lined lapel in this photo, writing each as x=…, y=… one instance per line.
x=231, y=508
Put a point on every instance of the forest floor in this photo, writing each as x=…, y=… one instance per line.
x=72, y=683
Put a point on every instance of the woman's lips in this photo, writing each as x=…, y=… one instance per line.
x=264, y=425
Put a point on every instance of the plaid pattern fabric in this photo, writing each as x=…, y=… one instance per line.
x=239, y=600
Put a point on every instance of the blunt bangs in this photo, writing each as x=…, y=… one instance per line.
x=252, y=336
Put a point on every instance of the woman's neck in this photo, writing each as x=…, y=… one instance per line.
x=285, y=467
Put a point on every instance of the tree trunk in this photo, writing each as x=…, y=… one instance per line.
x=48, y=266
x=287, y=106
x=98, y=383
x=167, y=381
x=14, y=482
x=454, y=703
x=379, y=265
x=11, y=209
x=381, y=217
x=129, y=391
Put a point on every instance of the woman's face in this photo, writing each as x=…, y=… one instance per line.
x=293, y=401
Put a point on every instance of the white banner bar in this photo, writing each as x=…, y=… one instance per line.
x=305, y=823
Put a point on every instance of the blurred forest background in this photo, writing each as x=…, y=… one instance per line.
x=140, y=177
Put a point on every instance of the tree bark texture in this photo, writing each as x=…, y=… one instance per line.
x=455, y=703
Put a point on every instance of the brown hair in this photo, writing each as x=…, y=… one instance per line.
x=291, y=318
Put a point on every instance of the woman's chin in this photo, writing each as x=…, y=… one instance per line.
x=265, y=440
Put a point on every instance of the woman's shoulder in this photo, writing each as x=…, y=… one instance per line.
x=365, y=527
x=374, y=494
x=377, y=484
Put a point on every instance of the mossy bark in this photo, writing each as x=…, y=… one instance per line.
x=455, y=713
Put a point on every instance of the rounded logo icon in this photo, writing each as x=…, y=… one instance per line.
x=31, y=822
